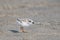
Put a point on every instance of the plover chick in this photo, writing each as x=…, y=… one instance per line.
x=26, y=22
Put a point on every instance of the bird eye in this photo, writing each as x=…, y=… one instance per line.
x=29, y=21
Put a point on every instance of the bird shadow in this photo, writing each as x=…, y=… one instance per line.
x=14, y=31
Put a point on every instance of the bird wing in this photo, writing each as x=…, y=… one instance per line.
x=18, y=19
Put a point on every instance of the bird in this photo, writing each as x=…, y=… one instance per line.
x=24, y=22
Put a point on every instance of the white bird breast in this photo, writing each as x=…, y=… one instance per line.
x=23, y=24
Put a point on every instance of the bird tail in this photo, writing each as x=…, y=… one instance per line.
x=18, y=19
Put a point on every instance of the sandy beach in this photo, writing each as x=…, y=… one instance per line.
x=47, y=12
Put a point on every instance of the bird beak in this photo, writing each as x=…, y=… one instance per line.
x=32, y=22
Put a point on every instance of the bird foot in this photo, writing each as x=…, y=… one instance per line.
x=23, y=31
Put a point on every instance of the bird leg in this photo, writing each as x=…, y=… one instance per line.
x=22, y=29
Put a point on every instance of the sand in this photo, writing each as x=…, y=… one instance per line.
x=47, y=12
